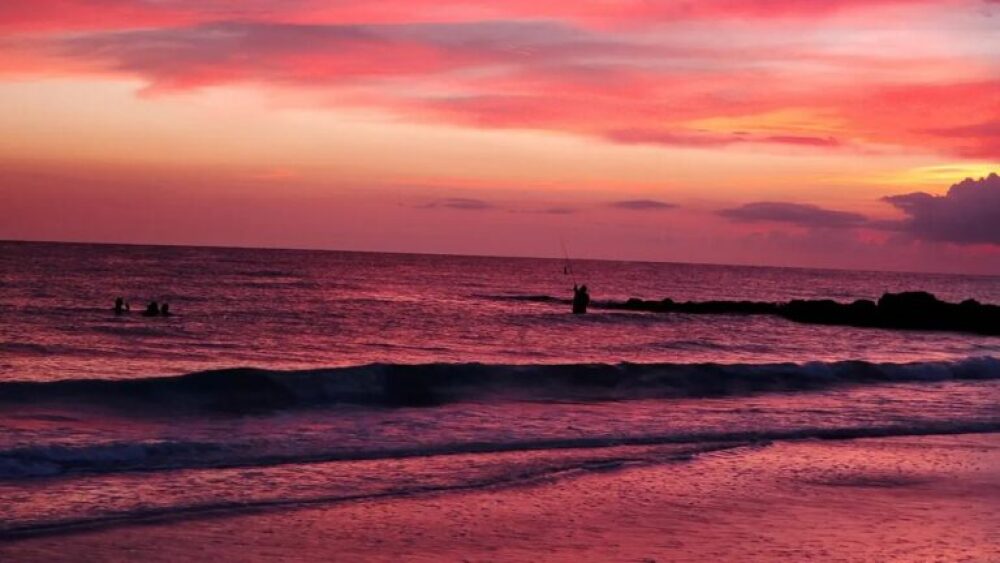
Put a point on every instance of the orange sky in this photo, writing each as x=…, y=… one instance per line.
x=759, y=131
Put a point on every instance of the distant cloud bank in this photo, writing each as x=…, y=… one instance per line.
x=463, y=203
x=642, y=205
x=968, y=214
x=796, y=214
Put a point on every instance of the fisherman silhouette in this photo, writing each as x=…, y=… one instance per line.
x=120, y=306
x=165, y=310
x=581, y=299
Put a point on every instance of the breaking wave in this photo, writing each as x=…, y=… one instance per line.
x=248, y=390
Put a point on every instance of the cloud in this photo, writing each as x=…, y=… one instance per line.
x=290, y=54
x=977, y=139
x=653, y=137
x=559, y=210
x=461, y=203
x=803, y=140
x=629, y=72
x=642, y=205
x=968, y=214
x=691, y=138
x=915, y=115
x=799, y=214
x=119, y=14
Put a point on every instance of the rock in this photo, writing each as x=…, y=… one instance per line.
x=911, y=310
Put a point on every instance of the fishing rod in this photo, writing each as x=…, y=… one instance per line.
x=568, y=268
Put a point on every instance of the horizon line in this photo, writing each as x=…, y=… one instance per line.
x=503, y=256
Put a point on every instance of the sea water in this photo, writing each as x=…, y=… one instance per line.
x=285, y=377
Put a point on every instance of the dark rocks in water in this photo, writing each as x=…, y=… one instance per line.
x=824, y=311
x=914, y=310
x=699, y=307
x=864, y=307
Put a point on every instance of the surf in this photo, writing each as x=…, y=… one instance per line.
x=249, y=390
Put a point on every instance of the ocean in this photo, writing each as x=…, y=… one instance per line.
x=291, y=378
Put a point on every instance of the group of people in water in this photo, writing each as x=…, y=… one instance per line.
x=581, y=300
x=154, y=309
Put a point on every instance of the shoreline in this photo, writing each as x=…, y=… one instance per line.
x=858, y=499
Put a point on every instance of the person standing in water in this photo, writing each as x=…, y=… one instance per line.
x=581, y=299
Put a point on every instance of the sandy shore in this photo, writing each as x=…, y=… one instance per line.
x=899, y=499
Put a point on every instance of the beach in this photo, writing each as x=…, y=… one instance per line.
x=931, y=498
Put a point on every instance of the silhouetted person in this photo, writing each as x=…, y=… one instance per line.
x=165, y=309
x=120, y=306
x=152, y=310
x=581, y=299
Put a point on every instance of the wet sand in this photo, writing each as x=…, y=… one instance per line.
x=897, y=499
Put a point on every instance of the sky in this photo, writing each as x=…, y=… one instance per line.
x=820, y=133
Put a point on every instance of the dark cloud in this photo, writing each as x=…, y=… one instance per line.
x=559, y=210
x=553, y=210
x=800, y=214
x=642, y=205
x=968, y=214
x=473, y=204
x=463, y=203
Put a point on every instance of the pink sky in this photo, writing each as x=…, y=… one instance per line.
x=785, y=132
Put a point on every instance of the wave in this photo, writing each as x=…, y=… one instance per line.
x=37, y=349
x=248, y=390
x=474, y=480
x=144, y=456
x=51, y=460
